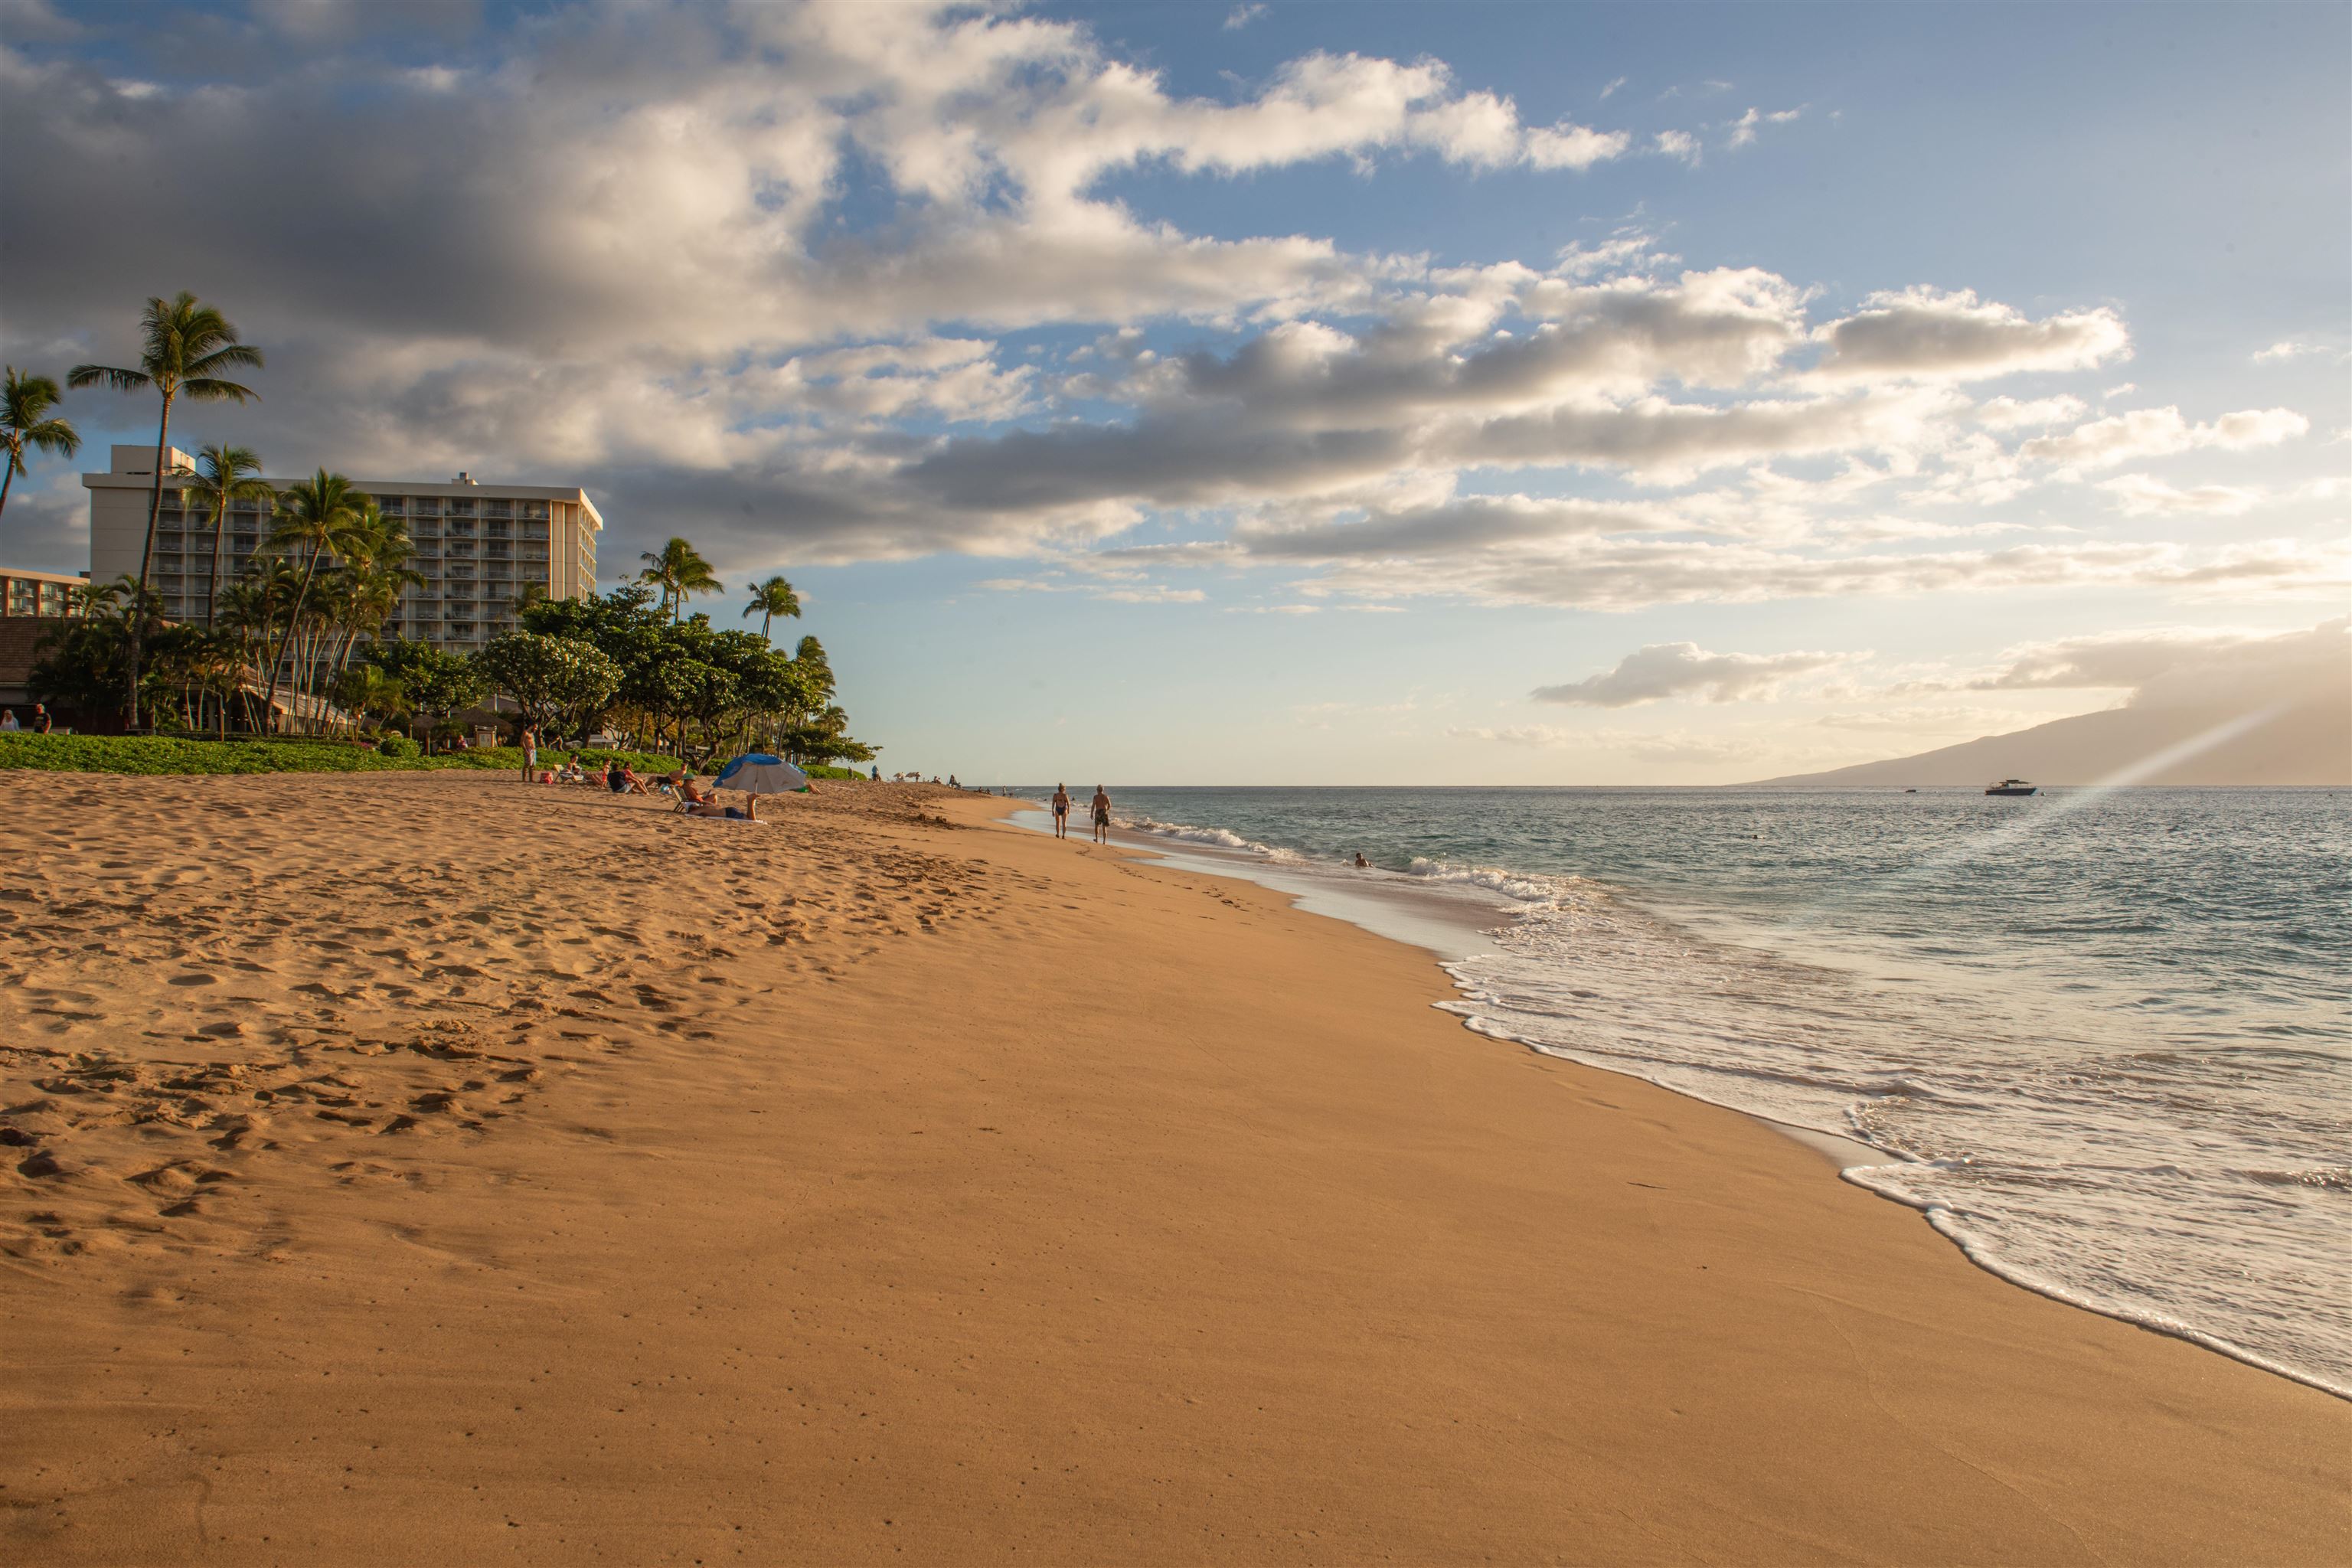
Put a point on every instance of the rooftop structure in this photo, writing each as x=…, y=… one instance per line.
x=478, y=547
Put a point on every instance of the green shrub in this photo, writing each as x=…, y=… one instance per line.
x=396, y=747
x=158, y=755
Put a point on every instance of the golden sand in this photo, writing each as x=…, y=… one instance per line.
x=420, y=1168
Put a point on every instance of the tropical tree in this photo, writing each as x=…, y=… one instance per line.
x=187, y=348
x=436, y=683
x=224, y=474
x=318, y=518
x=80, y=660
x=371, y=690
x=25, y=421
x=772, y=598
x=679, y=569
x=370, y=582
x=551, y=678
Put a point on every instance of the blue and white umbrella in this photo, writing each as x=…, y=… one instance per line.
x=756, y=772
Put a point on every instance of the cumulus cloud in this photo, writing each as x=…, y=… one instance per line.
x=811, y=282
x=1926, y=334
x=2012, y=413
x=1679, y=144
x=2180, y=667
x=2139, y=495
x=1743, y=130
x=2286, y=349
x=2159, y=432
x=1669, y=746
x=1241, y=16
x=1664, y=670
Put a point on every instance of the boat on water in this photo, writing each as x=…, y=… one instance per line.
x=2010, y=787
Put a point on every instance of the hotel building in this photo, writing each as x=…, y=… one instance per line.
x=478, y=546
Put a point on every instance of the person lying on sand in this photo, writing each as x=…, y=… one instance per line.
x=708, y=807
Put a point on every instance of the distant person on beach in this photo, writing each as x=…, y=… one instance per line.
x=572, y=772
x=706, y=806
x=1100, y=806
x=622, y=779
x=9, y=725
x=1362, y=864
x=1061, y=811
x=40, y=718
x=530, y=742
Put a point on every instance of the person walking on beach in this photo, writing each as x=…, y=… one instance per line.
x=1101, y=808
x=529, y=753
x=1061, y=811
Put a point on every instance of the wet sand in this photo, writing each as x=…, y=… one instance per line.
x=420, y=1168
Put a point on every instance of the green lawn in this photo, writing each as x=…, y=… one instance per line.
x=159, y=754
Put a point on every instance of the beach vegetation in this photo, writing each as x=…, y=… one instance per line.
x=679, y=569
x=396, y=747
x=558, y=682
x=188, y=348
x=161, y=755
x=693, y=687
x=770, y=599
x=318, y=518
x=314, y=607
x=435, y=683
x=224, y=476
x=26, y=422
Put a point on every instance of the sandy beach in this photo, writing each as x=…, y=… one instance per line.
x=427, y=1168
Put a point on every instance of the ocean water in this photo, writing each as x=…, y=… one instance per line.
x=2103, y=1039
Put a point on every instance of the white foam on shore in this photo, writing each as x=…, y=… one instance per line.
x=1565, y=967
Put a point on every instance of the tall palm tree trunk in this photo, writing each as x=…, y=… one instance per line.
x=293, y=621
x=212, y=578
x=146, y=558
x=8, y=477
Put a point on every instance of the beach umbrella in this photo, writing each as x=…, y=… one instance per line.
x=756, y=772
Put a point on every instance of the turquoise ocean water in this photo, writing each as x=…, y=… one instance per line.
x=2102, y=1038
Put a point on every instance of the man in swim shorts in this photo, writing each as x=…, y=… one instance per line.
x=1100, y=805
x=1061, y=811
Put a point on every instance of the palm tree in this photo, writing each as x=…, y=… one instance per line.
x=368, y=588
x=223, y=474
x=317, y=518
x=186, y=347
x=24, y=421
x=679, y=569
x=772, y=598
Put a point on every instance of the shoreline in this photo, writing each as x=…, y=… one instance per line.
x=887, y=1180
x=1381, y=909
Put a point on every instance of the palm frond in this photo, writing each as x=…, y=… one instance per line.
x=205, y=389
x=119, y=379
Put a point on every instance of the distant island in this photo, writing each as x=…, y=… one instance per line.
x=2306, y=740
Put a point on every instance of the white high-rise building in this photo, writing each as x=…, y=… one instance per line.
x=478, y=547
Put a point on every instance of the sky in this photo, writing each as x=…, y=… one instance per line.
x=1286, y=392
